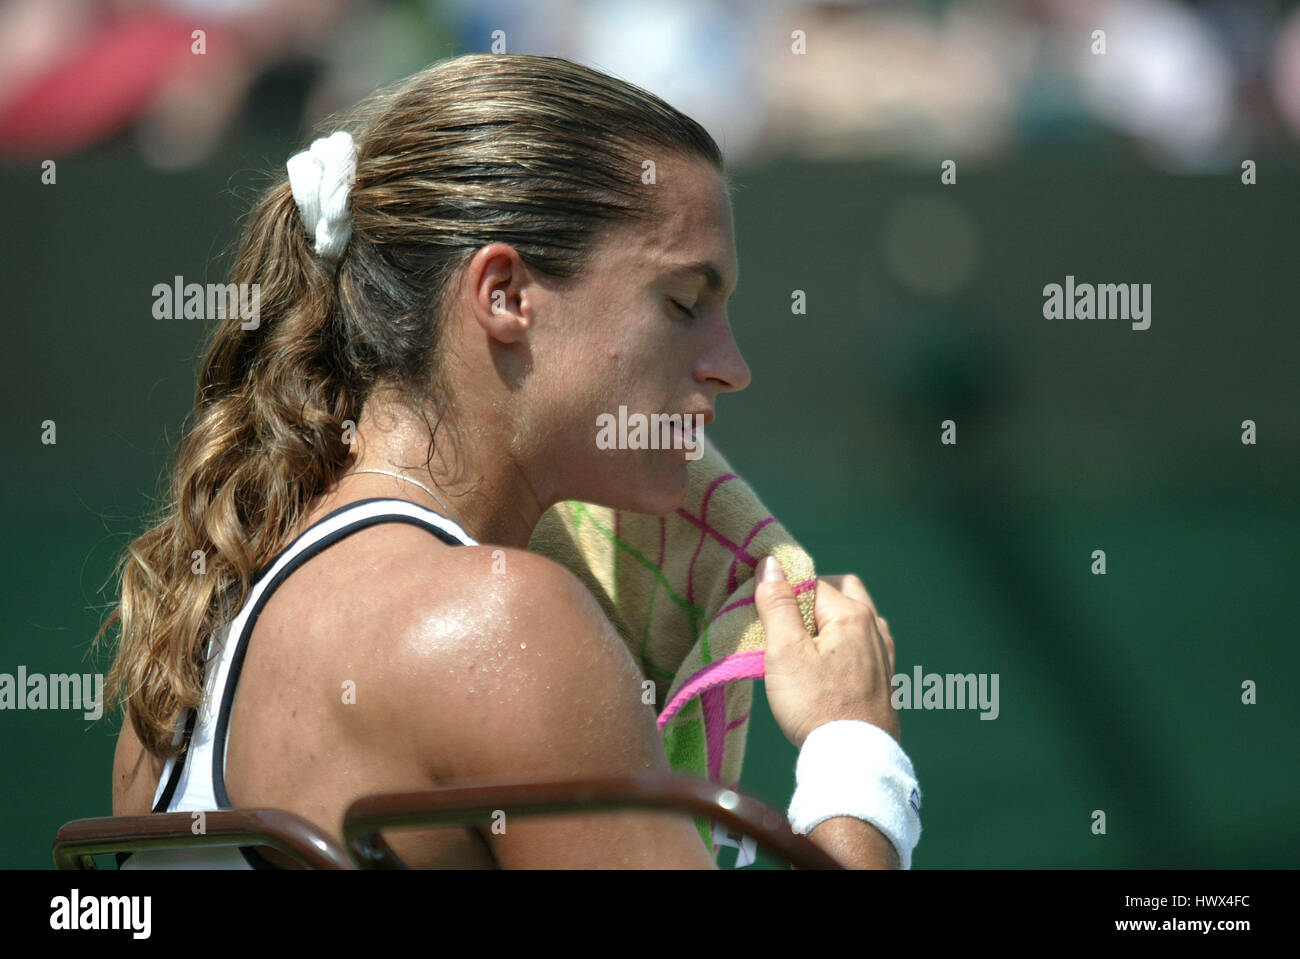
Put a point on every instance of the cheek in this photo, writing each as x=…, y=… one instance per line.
x=620, y=362
x=617, y=377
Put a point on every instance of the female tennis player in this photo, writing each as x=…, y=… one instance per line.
x=337, y=599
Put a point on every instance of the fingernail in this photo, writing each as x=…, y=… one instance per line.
x=770, y=570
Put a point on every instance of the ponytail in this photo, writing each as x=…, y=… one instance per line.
x=267, y=438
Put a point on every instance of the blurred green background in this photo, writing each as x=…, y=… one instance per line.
x=1119, y=692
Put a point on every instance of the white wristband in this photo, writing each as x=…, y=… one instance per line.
x=852, y=768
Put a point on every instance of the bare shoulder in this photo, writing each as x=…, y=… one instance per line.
x=507, y=667
x=472, y=662
x=521, y=678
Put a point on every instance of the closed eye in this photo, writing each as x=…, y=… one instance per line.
x=683, y=309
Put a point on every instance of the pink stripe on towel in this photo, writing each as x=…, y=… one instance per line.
x=731, y=572
x=802, y=587
x=729, y=670
x=714, y=701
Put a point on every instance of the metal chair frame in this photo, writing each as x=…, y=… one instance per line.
x=363, y=846
x=77, y=842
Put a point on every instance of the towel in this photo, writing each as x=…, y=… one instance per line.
x=680, y=591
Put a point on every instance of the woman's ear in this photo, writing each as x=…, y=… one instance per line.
x=500, y=288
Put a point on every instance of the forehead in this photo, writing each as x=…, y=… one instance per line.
x=691, y=225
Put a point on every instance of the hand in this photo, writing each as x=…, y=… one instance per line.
x=844, y=672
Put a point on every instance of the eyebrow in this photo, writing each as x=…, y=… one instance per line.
x=712, y=275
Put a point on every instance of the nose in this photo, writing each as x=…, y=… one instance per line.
x=723, y=363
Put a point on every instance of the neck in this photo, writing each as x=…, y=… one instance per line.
x=479, y=483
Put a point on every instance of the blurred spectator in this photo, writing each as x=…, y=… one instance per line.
x=86, y=70
x=1189, y=85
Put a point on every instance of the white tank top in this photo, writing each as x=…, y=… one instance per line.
x=195, y=781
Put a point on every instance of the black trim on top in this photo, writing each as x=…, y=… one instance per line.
x=250, y=854
x=257, y=576
x=178, y=765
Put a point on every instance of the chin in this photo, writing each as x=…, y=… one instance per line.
x=657, y=489
x=666, y=501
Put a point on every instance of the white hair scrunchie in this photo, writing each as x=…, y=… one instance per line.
x=321, y=179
